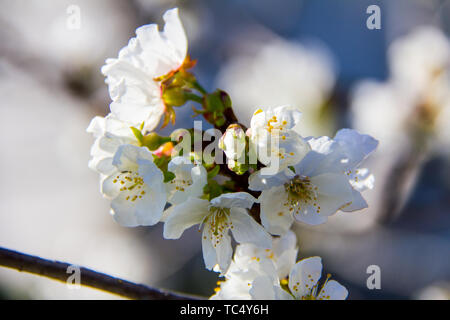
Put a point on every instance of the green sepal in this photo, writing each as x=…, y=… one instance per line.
x=153, y=141
x=168, y=176
x=212, y=190
x=137, y=133
x=213, y=102
x=213, y=172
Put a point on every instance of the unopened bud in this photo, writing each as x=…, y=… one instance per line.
x=233, y=143
x=164, y=150
x=153, y=141
x=174, y=96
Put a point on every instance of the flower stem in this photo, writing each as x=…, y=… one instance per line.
x=194, y=97
x=199, y=88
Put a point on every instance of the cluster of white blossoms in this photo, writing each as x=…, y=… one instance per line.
x=273, y=176
x=274, y=274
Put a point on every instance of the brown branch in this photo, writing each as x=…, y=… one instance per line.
x=58, y=271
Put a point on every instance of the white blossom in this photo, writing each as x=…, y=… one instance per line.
x=418, y=58
x=136, y=187
x=132, y=77
x=188, y=182
x=250, y=262
x=218, y=216
x=326, y=180
x=255, y=276
x=233, y=143
x=304, y=282
x=109, y=134
x=415, y=100
x=274, y=140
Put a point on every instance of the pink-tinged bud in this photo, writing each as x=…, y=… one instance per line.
x=164, y=150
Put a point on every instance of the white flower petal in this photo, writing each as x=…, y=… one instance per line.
x=97, y=126
x=357, y=203
x=333, y=185
x=146, y=211
x=209, y=252
x=275, y=216
x=188, y=182
x=235, y=199
x=357, y=147
x=126, y=157
x=262, y=289
x=219, y=252
x=136, y=95
x=361, y=179
x=174, y=32
x=184, y=216
x=109, y=189
x=304, y=276
x=246, y=229
x=258, y=181
x=309, y=215
x=333, y=290
x=289, y=114
x=315, y=163
x=285, y=251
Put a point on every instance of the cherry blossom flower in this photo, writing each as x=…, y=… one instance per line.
x=217, y=217
x=257, y=274
x=134, y=78
x=272, y=137
x=233, y=143
x=136, y=187
x=324, y=181
x=250, y=262
x=188, y=182
x=303, y=284
x=109, y=133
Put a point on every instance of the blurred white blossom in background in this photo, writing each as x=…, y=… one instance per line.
x=59, y=44
x=281, y=72
x=437, y=291
x=416, y=94
x=50, y=205
x=409, y=112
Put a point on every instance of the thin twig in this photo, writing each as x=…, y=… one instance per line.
x=59, y=271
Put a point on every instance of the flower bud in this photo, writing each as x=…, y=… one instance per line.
x=153, y=141
x=164, y=150
x=174, y=96
x=233, y=143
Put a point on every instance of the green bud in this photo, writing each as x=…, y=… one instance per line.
x=220, y=121
x=238, y=168
x=213, y=102
x=226, y=100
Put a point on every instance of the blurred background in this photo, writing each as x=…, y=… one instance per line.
x=317, y=55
